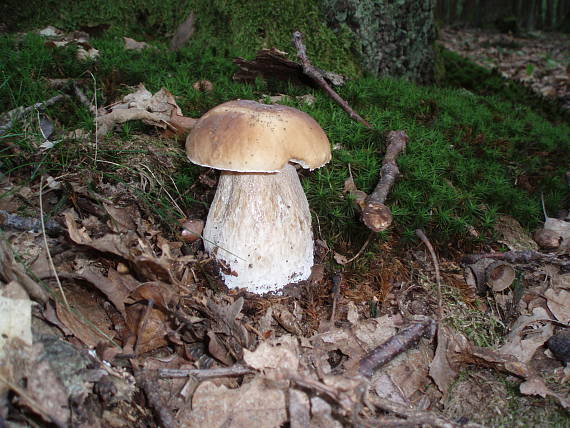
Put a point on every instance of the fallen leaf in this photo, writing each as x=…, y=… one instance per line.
x=558, y=301
x=183, y=32
x=536, y=386
x=522, y=342
x=15, y=321
x=80, y=329
x=339, y=258
x=133, y=45
x=275, y=355
x=560, y=227
x=255, y=403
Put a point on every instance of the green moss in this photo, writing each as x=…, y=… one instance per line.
x=460, y=72
x=222, y=28
x=465, y=159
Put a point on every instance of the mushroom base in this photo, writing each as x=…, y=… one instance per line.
x=259, y=228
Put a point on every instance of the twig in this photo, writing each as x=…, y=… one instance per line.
x=393, y=347
x=375, y=215
x=52, y=266
x=273, y=63
x=95, y=118
x=318, y=78
x=83, y=99
x=337, y=280
x=353, y=258
x=16, y=222
x=420, y=234
x=147, y=383
x=17, y=113
x=521, y=257
x=204, y=374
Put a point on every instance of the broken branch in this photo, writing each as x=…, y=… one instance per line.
x=375, y=215
x=521, y=257
x=318, y=78
x=393, y=347
x=204, y=374
x=12, y=116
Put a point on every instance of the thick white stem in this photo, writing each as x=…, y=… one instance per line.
x=259, y=228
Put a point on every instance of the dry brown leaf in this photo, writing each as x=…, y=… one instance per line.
x=536, y=386
x=15, y=321
x=358, y=195
x=513, y=235
x=123, y=219
x=151, y=327
x=443, y=370
x=339, y=258
x=561, y=228
x=159, y=293
x=404, y=376
x=523, y=342
x=287, y=320
x=109, y=243
x=354, y=341
x=275, y=355
x=558, y=301
x=88, y=334
x=256, y=404
x=115, y=286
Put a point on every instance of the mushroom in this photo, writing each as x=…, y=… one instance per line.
x=259, y=223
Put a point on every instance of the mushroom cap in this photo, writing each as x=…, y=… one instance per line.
x=247, y=136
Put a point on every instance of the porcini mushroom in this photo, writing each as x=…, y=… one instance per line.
x=259, y=223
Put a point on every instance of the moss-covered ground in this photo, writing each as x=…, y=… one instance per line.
x=469, y=158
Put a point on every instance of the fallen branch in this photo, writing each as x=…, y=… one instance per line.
x=393, y=347
x=204, y=374
x=12, y=116
x=375, y=215
x=83, y=98
x=16, y=222
x=517, y=257
x=318, y=78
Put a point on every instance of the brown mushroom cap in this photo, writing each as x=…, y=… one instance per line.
x=247, y=136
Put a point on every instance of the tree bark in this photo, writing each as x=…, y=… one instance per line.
x=395, y=38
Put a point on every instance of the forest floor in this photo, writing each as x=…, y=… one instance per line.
x=111, y=314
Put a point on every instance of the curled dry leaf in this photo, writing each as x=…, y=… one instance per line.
x=192, y=230
x=358, y=195
x=558, y=302
x=523, y=341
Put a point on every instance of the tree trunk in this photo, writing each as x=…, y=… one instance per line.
x=395, y=37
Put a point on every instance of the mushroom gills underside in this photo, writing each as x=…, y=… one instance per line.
x=259, y=228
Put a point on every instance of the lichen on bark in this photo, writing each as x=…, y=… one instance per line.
x=394, y=38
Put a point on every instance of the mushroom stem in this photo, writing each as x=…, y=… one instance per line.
x=259, y=229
